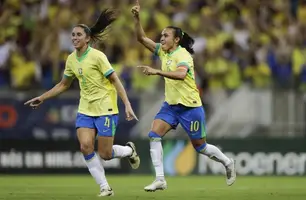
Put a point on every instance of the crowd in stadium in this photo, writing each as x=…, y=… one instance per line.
x=236, y=41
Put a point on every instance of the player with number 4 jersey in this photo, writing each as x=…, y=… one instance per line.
x=98, y=111
x=182, y=101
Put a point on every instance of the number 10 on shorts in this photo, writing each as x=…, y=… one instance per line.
x=194, y=126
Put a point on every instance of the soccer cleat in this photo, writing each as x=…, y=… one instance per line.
x=134, y=159
x=230, y=173
x=156, y=185
x=107, y=191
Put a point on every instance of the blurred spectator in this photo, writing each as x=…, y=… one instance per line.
x=6, y=48
x=262, y=41
x=302, y=79
x=233, y=78
x=259, y=74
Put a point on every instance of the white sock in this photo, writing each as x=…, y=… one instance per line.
x=121, y=151
x=215, y=154
x=156, y=151
x=96, y=169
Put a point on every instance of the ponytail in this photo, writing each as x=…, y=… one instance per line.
x=185, y=40
x=97, y=31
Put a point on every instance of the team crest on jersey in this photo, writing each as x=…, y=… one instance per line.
x=80, y=71
x=168, y=62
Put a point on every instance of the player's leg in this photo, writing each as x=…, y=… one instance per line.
x=193, y=121
x=105, y=152
x=106, y=126
x=216, y=154
x=164, y=121
x=105, y=144
x=86, y=136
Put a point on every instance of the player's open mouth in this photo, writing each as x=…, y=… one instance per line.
x=75, y=42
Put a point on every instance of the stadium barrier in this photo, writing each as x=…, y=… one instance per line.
x=253, y=157
x=34, y=156
x=54, y=120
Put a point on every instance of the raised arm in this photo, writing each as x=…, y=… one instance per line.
x=141, y=36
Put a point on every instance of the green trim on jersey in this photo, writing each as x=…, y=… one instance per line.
x=190, y=74
x=83, y=56
x=188, y=71
x=183, y=64
x=108, y=73
x=175, y=50
x=68, y=77
x=157, y=49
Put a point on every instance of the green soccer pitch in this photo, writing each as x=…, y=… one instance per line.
x=66, y=187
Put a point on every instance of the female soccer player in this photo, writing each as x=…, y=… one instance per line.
x=98, y=111
x=182, y=101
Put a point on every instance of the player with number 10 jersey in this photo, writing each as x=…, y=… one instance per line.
x=182, y=100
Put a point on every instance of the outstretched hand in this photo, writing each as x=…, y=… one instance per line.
x=147, y=70
x=136, y=9
x=35, y=102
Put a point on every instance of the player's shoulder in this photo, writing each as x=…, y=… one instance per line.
x=182, y=52
x=97, y=54
x=71, y=55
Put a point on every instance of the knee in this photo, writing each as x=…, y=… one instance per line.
x=154, y=136
x=86, y=147
x=106, y=154
x=200, y=147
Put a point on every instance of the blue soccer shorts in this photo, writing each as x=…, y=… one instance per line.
x=105, y=125
x=192, y=119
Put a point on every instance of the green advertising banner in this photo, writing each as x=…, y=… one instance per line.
x=252, y=156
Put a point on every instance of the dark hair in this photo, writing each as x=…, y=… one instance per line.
x=185, y=40
x=97, y=31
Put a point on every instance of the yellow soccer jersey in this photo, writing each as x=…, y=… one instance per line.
x=98, y=94
x=179, y=91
